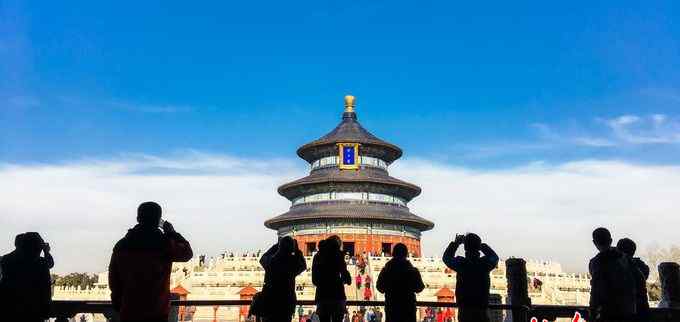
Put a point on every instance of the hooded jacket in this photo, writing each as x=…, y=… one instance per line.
x=139, y=272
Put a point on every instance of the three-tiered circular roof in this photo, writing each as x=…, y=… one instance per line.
x=349, y=130
x=365, y=179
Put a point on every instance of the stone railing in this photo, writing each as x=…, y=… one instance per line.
x=519, y=308
x=65, y=310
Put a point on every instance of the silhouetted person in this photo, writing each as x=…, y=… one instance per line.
x=472, y=276
x=400, y=281
x=281, y=263
x=139, y=272
x=612, y=288
x=329, y=274
x=26, y=284
x=640, y=274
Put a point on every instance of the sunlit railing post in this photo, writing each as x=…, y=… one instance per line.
x=669, y=275
x=215, y=308
x=518, y=292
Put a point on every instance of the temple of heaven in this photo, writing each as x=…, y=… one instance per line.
x=349, y=193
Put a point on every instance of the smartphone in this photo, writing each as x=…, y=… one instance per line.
x=161, y=222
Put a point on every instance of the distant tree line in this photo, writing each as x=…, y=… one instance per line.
x=80, y=280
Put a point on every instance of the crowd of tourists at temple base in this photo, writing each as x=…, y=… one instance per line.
x=139, y=278
x=362, y=314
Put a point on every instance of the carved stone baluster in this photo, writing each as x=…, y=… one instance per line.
x=518, y=292
x=669, y=275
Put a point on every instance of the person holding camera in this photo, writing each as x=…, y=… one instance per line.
x=139, y=271
x=282, y=263
x=26, y=285
x=472, y=276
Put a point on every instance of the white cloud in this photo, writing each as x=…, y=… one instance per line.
x=622, y=121
x=82, y=208
x=623, y=130
x=547, y=211
x=659, y=119
x=592, y=141
x=654, y=129
x=547, y=133
x=220, y=202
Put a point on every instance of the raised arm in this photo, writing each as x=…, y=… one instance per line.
x=490, y=256
x=268, y=255
x=48, y=256
x=449, y=258
x=180, y=249
x=49, y=260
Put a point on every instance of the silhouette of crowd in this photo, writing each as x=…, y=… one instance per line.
x=141, y=262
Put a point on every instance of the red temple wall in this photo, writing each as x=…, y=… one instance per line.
x=363, y=242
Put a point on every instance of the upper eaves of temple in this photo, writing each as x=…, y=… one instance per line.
x=349, y=130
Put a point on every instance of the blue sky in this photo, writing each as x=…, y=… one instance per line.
x=483, y=86
x=554, y=117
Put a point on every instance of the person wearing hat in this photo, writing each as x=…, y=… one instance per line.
x=26, y=285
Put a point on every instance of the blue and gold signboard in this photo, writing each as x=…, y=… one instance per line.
x=348, y=156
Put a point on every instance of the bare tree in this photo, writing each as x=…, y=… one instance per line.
x=655, y=254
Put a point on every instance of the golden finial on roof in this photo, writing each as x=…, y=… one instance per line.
x=349, y=104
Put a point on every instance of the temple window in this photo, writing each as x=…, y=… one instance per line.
x=364, y=196
x=332, y=161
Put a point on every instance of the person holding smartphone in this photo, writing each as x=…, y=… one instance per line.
x=139, y=271
x=282, y=263
x=472, y=276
